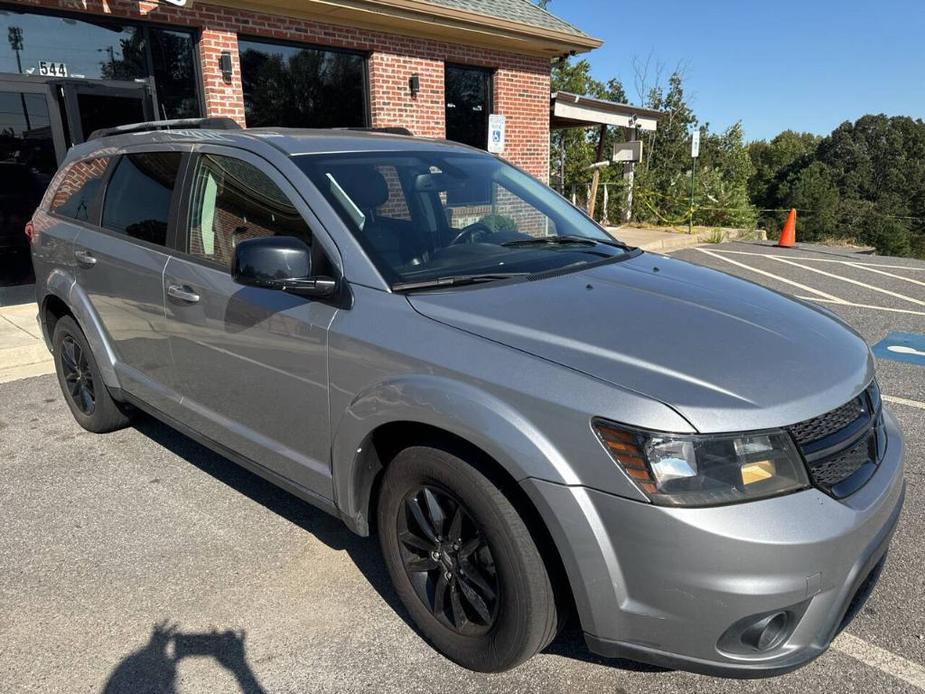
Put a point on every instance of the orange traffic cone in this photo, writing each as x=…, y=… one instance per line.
x=788, y=237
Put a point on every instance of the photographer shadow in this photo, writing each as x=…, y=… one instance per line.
x=153, y=667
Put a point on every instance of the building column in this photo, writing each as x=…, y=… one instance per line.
x=223, y=97
x=391, y=102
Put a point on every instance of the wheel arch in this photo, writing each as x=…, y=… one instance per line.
x=382, y=445
x=64, y=296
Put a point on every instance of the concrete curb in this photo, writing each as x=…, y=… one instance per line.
x=659, y=241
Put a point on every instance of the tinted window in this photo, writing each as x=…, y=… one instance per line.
x=299, y=86
x=78, y=195
x=468, y=103
x=27, y=163
x=104, y=49
x=139, y=193
x=233, y=201
x=173, y=58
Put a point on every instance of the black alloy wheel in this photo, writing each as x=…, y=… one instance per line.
x=77, y=376
x=448, y=561
x=463, y=560
x=81, y=382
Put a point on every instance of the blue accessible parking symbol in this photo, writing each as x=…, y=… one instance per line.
x=907, y=347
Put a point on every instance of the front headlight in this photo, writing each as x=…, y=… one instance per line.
x=695, y=470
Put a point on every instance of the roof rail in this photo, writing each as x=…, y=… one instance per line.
x=395, y=130
x=176, y=124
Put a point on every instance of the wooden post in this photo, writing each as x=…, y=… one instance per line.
x=596, y=178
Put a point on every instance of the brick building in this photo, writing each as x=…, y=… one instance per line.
x=438, y=68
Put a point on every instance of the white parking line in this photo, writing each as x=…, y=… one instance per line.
x=881, y=290
x=881, y=659
x=870, y=268
x=824, y=260
x=903, y=401
x=842, y=302
x=713, y=254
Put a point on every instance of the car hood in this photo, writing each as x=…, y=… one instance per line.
x=727, y=354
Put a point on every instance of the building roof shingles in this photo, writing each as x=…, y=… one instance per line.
x=522, y=11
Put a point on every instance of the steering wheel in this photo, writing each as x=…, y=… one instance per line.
x=467, y=235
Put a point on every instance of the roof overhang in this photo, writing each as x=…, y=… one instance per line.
x=574, y=111
x=426, y=20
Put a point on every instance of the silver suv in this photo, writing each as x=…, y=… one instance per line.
x=534, y=418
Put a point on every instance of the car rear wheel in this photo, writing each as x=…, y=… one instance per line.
x=81, y=382
x=463, y=561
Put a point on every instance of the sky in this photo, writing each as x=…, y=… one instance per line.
x=806, y=66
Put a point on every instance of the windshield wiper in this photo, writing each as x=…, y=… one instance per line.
x=456, y=280
x=564, y=240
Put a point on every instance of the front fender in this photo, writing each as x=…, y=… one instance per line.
x=62, y=284
x=464, y=410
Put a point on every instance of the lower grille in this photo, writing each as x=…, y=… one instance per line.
x=829, y=472
x=843, y=447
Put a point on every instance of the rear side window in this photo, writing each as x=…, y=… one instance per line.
x=78, y=195
x=139, y=193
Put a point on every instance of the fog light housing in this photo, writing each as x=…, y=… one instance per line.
x=761, y=633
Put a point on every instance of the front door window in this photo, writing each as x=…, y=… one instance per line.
x=232, y=201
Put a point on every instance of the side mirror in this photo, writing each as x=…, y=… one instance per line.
x=279, y=262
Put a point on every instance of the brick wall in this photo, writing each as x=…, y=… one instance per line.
x=521, y=83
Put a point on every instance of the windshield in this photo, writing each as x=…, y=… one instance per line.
x=433, y=217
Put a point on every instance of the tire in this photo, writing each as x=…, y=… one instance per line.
x=521, y=619
x=81, y=381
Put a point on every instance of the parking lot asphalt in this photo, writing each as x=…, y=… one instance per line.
x=141, y=562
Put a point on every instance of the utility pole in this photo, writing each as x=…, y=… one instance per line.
x=695, y=154
x=14, y=36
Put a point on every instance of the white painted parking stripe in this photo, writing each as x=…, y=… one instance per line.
x=881, y=659
x=904, y=401
x=831, y=298
x=841, y=302
x=870, y=268
x=824, y=260
x=871, y=287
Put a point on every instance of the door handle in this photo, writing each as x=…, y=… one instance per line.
x=85, y=257
x=182, y=293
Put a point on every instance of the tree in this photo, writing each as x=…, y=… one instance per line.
x=864, y=181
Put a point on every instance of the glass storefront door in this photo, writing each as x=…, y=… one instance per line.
x=468, y=104
x=39, y=120
x=31, y=144
x=93, y=105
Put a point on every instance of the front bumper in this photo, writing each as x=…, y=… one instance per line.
x=663, y=585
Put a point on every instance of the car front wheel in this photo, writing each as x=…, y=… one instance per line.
x=463, y=561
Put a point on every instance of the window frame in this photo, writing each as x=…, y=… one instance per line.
x=175, y=199
x=194, y=31
x=323, y=247
x=367, y=104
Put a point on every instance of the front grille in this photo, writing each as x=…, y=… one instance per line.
x=828, y=472
x=843, y=447
x=824, y=425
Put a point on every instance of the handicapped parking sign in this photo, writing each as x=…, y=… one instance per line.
x=496, y=126
x=905, y=347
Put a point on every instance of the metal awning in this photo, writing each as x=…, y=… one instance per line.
x=573, y=111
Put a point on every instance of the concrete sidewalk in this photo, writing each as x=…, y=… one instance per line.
x=22, y=350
